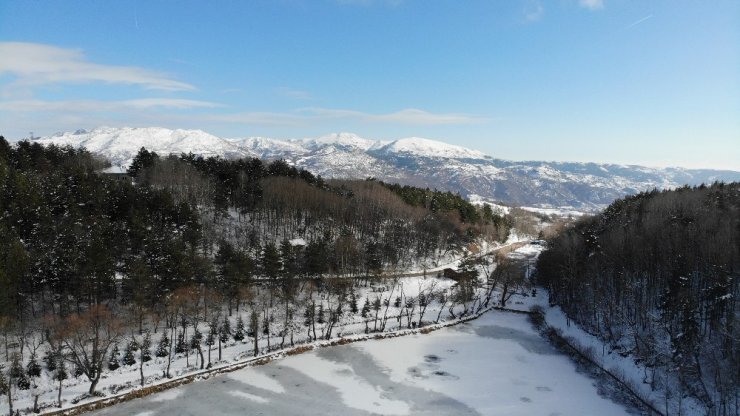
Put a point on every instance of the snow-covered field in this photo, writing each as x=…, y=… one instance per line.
x=494, y=365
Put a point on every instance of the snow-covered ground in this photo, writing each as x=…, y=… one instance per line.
x=126, y=378
x=622, y=366
x=494, y=365
x=558, y=212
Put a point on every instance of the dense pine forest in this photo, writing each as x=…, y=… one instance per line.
x=204, y=252
x=656, y=276
x=72, y=237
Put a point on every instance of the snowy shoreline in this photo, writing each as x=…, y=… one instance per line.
x=177, y=381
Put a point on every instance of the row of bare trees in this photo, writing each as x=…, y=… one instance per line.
x=195, y=321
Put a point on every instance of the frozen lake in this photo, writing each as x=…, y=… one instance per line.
x=495, y=365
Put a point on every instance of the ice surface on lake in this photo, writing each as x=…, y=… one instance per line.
x=248, y=396
x=257, y=378
x=495, y=365
x=356, y=391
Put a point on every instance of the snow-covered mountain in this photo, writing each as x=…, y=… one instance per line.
x=413, y=161
x=120, y=145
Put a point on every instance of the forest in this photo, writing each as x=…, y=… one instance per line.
x=655, y=276
x=201, y=252
x=69, y=233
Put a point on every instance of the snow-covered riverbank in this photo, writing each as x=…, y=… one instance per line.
x=494, y=365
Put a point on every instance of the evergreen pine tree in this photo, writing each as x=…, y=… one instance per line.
x=265, y=325
x=23, y=382
x=163, y=349
x=3, y=382
x=114, y=361
x=16, y=369
x=180, y=346
x=254, y=330
x=365, y=308
x=146, y=345
x=239, y=331
x=50, y=360
x=422, y=299
x=33, y=368
x=33, y=371
x=320, y=316
x=353, y=303
x=195, y=340
x=16, y=373
x=211, y=338
x=270, y=261
x=338, y=313
x=307, y=315
x=60, y=374
x=225, y=330
x=128, y=355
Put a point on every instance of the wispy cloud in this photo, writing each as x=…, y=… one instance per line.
x=307, y=116
x=294, y=93
x=261, y=118
x=405, y=116
x=592, y=4
x=311, y=115
x=50, y=116
x=97, y=106
x=533, y=11
x=637, y=22
x=36, y=64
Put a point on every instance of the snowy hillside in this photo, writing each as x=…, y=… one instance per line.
x=120, y=145
x=413, y=161
x=419, y=147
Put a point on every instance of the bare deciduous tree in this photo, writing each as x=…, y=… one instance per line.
x=87, y=337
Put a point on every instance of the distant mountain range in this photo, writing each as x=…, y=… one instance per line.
x=413, y=161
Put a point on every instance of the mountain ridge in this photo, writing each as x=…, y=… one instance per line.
x=413, y=160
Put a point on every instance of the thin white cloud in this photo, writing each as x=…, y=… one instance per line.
x=637, y=22
x=307, y=116
x=97, y=106
x=36, y=64
x=592, y=4
x=405, y=116
x=294, y=93
x=169, y=103
x=533, y=11
x=262, y=118
x=50, y=116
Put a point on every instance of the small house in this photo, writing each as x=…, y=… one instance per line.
x=117, y=173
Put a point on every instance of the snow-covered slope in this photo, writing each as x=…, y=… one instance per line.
x=120, y=145
x=344, y=140
x=419, y=147
x=414, y=161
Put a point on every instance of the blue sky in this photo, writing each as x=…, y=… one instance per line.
x=641, y=82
